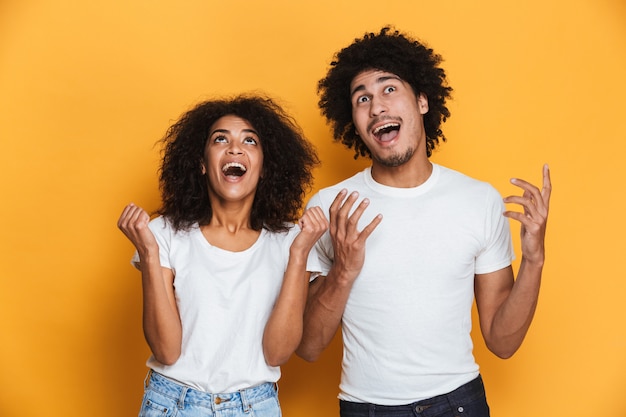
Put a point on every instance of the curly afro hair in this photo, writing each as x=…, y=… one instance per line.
x=388, y=51
x=288, y=159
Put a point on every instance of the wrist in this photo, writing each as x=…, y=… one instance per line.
x=148, y=255
x=533, y=262
x=298, y=256
x=342, y=276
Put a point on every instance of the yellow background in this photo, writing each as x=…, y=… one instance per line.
x=87, y=88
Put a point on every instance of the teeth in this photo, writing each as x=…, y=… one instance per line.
x=385, y=126
x=233, y=165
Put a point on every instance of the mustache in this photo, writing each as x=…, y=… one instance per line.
x=379, y=119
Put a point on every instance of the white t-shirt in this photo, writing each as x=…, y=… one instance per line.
x=406, y=326
x=224, y=299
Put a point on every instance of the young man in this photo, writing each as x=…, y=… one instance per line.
x=411, y=243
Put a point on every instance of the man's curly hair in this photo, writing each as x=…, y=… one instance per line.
x=388, y=51
x=288, y=159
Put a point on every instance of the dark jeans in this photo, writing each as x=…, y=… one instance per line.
x=466, y=401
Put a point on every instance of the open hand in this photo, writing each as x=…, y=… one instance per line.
x=535, y=216
x=348, y=241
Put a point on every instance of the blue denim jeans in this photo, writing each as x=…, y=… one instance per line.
x=466, y=401
x=166, y=398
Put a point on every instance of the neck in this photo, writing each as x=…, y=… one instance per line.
x=230, y=227
x=231, y=216
x=408, y=175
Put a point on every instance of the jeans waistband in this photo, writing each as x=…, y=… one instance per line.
x=184, y=394
x=466, y=392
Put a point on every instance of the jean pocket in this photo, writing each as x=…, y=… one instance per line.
x=476, y=407
x=270, y=407
x=154, y=405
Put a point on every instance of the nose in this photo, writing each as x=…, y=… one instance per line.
x=377, y=106
x=234, y=149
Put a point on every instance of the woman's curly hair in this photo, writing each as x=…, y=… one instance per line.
x=288, y=159
x=388, y=51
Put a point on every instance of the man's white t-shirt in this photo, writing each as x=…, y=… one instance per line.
x=406, y=325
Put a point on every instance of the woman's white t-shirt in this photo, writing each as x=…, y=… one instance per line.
x=224, y=300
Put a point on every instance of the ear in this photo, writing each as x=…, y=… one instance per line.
x=422, y=103
x=203, y=168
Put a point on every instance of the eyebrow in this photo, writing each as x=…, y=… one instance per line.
x=379, y=80
x=228, y=131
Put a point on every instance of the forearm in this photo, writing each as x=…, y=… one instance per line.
x=512, y=320
x=284, y=328
x=328, y=295
x=323, y=313
x=161, y=321
x=517, y=303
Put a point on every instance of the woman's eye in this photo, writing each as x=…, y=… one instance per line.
x=220, y=139
x=250, y=141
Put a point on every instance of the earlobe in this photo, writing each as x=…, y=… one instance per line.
x=203, y=168
x=422, y=103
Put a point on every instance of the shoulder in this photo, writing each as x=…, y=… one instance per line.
x=290, y=232
x=277, y=243
x=473, y=195
x=325, y=196
x=460, y=181
x=162, y=226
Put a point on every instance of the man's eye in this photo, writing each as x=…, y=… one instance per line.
x=390, y=89
x=362, y=99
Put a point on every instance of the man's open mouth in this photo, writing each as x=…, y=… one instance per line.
x=386, y=132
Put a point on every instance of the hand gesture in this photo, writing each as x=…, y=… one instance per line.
x=133, y=222
x=312, y=224
x=348, y=242
x=535, y=216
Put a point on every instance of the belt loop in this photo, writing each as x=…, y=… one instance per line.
x=181, y=399
x=146, y=381
x=244, y=401
x=213, y=408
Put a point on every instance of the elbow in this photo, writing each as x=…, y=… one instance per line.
x=503, y=352
x=308, y=355
x=276, y=358
x=310, y=349
x=505, y=344
x=278, y=353
x=167, y=358
x=308, y=358
x=504, y=355
x=165, y=348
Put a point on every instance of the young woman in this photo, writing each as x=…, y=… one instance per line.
x=225, y=266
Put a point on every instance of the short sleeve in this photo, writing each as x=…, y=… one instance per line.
x=323, y=249
x=497, y=251
x=162, y=231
